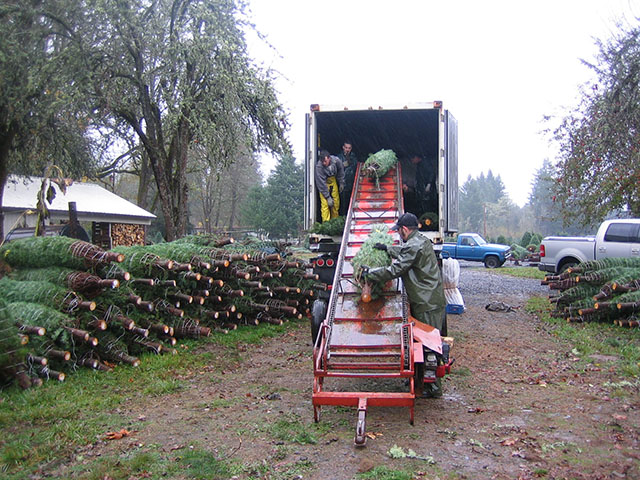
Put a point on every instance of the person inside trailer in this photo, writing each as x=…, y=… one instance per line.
x=412, y=183
x=329, y=176
x=350, y=163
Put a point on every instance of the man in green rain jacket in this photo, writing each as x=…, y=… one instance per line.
x=416, y=263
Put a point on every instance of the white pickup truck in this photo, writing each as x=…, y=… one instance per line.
x=615, y=238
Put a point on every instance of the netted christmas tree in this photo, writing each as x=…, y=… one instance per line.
x=200, y=257
x=55, y=339
x=372, y=258
x=78, y=281
x=140, y=262
x=615, y=262
x=269, y=280
x=209, y=240
x=46, y=293
x=379, y=163
x=60, y=251
x=13, y=350
x=332, y=227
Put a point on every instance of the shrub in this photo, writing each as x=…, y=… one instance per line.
x=526, y=239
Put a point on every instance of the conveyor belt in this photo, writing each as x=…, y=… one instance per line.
x=365, y=340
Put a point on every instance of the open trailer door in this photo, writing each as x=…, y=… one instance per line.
x=451, y=168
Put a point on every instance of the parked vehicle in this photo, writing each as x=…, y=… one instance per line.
x=356, y=337
x=615, y=238
x=471, y=246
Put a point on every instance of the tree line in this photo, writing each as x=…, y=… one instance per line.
x=161, y=100
x=485, y=208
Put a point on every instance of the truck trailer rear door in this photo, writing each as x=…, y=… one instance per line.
x=451, y=176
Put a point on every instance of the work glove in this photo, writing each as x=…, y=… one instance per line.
x=341, y=188
x=330, y=202
x=380, y=246
x=364, y=271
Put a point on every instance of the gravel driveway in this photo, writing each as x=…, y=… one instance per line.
x=479, y=286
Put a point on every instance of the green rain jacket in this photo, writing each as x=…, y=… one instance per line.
x=416, y=263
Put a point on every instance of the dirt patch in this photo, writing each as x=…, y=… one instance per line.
x=516, y=406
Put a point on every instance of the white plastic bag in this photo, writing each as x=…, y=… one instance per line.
x=450, y=278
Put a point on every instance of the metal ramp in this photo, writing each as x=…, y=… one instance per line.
x=366, y=340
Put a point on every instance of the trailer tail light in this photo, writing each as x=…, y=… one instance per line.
x=542, y=250
x=320, y=262
x=330, y=262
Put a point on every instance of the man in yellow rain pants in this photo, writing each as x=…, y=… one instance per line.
x=330, y=183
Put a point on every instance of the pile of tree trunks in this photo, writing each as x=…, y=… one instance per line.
x=67, y=304
x=606, y=290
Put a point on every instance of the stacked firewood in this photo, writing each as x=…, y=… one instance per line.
x=68, y=304
x=127, y=234
x=606, y=290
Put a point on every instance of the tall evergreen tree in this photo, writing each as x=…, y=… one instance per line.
x=475, y=194
x=503, y=218
x=545, y=209
x=546, y=212
x=278, y=206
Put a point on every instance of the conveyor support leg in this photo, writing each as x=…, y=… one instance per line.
x=361, y=438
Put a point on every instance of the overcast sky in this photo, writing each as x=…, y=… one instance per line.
x=498, y=66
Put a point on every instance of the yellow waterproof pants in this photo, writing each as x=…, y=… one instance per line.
x=326, y=212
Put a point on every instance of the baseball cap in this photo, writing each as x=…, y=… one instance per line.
x=406, y=220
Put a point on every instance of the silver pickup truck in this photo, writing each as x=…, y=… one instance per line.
x=615, y=238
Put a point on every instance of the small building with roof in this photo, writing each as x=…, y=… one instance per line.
x=113, y=220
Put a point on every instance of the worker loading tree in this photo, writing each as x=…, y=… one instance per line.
x=329, y=179
x=416, y=263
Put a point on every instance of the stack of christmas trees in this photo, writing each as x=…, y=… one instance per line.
x=606, y=290
x=68, y=304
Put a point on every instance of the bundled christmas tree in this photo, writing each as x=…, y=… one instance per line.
x=36, y=252
x=207, y=240
x=140, y=262
x=372, y=258
x=78, y=281
x=615, y=262
x=46, y=293
x=12, y=348
x=379, y=163
x=332, y=227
